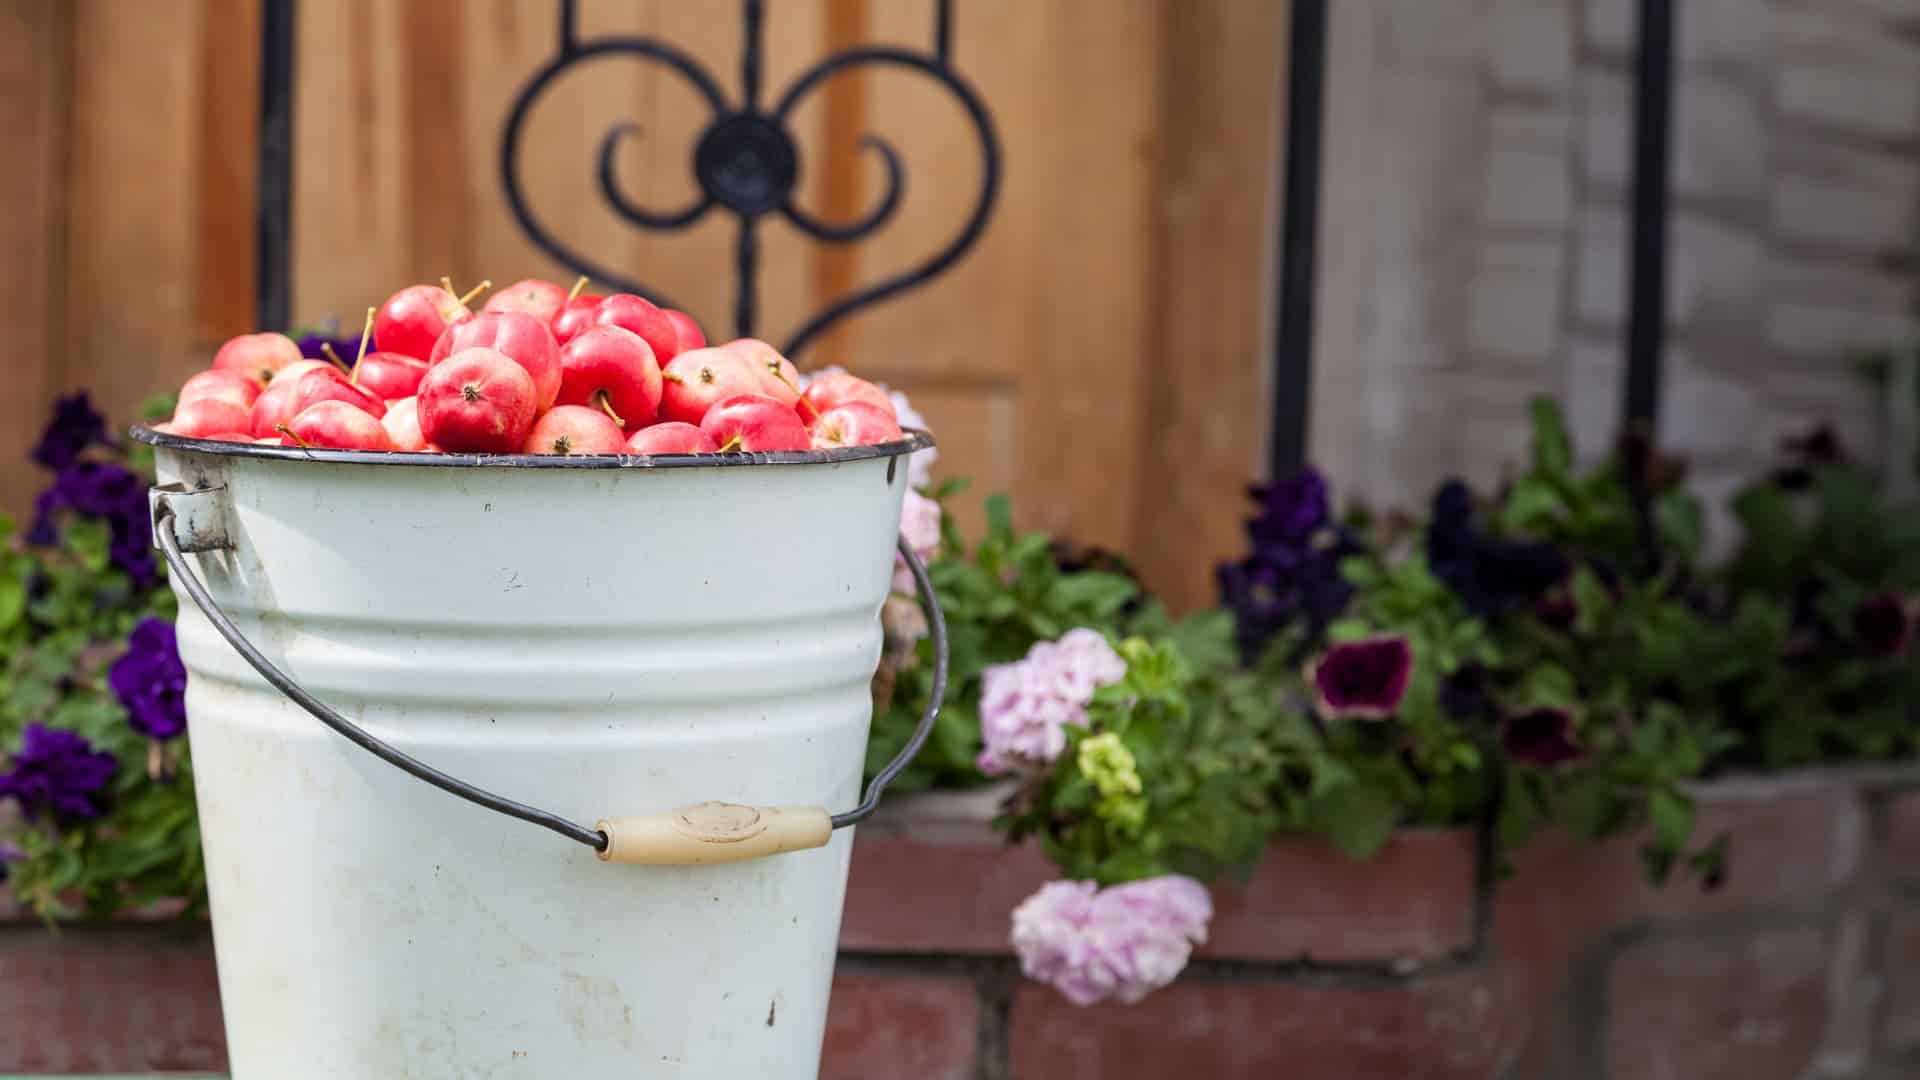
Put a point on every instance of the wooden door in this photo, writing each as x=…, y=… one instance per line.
x=1097, y=355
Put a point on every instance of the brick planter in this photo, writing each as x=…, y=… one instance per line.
x=1805, y=965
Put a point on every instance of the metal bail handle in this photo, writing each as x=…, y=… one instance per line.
x=710, y=832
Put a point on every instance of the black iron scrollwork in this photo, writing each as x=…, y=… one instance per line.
x=747, y=163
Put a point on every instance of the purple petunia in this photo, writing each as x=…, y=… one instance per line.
x=1883, y=624
x=74, y=427
x=1119, y=943
x=59, y=773
x=345, y=348
x=1291, y=576
x=1489, y=575
x=1362, y=679
x=1542, y=737
x=151, y=682
x=107, y=492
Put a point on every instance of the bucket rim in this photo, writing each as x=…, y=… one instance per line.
x=916, y=439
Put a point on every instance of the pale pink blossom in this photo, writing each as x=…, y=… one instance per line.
x=920, y=524
x=920, y=462
x=1120, y=943
x=1026, y=706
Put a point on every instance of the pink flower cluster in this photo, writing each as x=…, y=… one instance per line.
x=1026, y=706
x=1120, y=943
x=920, y=524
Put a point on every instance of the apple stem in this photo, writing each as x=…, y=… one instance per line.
x=366, y=335
x=474, y=292
x=579, y=286
x=605, y=404
x=326, y=348
x=732, y=444
x=447, y=284
x=288, y=432
x=671, y=377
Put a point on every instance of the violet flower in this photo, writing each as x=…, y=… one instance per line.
x=1363, y=679
x=151, y=681
x=1883, y=624
x=108, y=492
x=1490, y=575
x=58, y=772
x=1291, y=575
x=1542, y=736
x=346, y=348
x=74, y=427
x=1120, y=943
x=1026, y=706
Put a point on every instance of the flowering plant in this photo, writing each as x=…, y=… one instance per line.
x=96, y=792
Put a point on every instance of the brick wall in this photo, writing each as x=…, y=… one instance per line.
x=1804, y=966
x=1475, y=229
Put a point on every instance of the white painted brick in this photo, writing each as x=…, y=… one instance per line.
x=1595, y=380
x=1845, y=216
x=1527, y=188
x=1606, y=128
x=1600, y=267
x=1513, y=304
x=1709, y=413
x=1720, y=143
x=1715, y=277
x=1836, y=332
x=1853, y=97
x=1730, y=34
x=1548, y=127
x=1532, y=47
x=1608, y=26
x=1433, y=35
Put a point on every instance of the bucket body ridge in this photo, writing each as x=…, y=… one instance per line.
x=596, y=642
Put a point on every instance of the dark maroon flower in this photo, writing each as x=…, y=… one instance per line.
x=1362, y=679
x=1808, y=452
x=74, y=427
x=59, y=773
x=1541, y=737
x=151, y=682
x=1883, y=624
x=1558, y=609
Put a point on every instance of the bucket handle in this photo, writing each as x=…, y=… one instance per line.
x=709, y=832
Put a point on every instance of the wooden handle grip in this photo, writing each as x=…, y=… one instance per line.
x=714, y=832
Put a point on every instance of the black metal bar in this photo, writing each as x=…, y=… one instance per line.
x=943, y=31
x=754, y=18
x=1647, y=272
x=1299, y=226
x=569, y=26
x=273, y=187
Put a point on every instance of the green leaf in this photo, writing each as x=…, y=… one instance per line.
x=1672, y=817
x=1532, y=502
x=1358, y=817
x=1681, y=523
x=999, y=510
x=1552, y=450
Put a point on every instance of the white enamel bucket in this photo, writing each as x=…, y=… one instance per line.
x=592, y=645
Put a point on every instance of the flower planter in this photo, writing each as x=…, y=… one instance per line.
x=1807, y=961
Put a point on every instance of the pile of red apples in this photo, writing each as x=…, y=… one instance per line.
x=537, y=370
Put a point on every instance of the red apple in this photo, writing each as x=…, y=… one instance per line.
x=230, y=436
x=576, y=316
x=220, y=386
x=854, y=424
x=697, y=380
x=574, y=429
x=754, y=422
x=522, y=338
x=414, y=318
x=477, y=401
x=336, y=425
x=638, y=314
x=831, y=389
x=204, y=417
x=612, y=370
x=274, y=441
x=257, y=356
x=686, y=332
x=403, y=424
x=672, y=437
x=274, y=406
x=389, y=376
x=329, y=385
x=541, y=299
x=779, y=379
